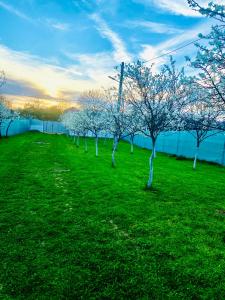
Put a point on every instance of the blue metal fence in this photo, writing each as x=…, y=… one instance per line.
x=16, y=127
x=178, y=143
x=48, y=126
x=183, y=144
x=23, y=125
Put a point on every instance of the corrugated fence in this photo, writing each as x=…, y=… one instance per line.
x=16, y=127
x=183, y=144
x=48, y=126
x=178, y=143
x=23, y=125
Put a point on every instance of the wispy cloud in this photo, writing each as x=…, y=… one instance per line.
x=97, y=66
x=149, y=51
x=84, y=70
x=52, y=80
x=153, y=26
x=14, y=11
x=179, y=7
x=120, y=51
x=58, y=25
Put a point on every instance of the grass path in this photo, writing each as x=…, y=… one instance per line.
x=72, y=227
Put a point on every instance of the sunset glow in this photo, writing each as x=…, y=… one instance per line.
x=58, y=49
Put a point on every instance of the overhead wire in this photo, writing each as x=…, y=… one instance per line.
x=172, y=51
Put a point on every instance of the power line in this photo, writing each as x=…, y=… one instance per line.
x=172, y=51
x=157, y=57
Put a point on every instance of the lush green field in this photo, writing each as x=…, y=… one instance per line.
x=72, y=227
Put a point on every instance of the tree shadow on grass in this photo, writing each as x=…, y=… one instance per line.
x=151, y=189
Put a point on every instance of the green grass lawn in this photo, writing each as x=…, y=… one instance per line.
x=72, y=227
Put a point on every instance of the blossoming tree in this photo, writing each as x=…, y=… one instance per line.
x=94, y=116
x=156, y=97
x=210, y=59
x=118, y=121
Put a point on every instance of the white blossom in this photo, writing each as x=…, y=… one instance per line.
x=200, y=116
x=157, y=99
x=210, y=58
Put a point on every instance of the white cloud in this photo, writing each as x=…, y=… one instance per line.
x=97, y=66
x=149, y=51
x=14, y=11
x=50, y=22
x=153, y=26
x=58, y=25
x=179, y=7
x=120, y=52
x=53, y=80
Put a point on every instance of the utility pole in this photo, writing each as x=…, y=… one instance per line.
x=119, y=103
x=120, y=92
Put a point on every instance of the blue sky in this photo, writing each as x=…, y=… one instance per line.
x=56, y=49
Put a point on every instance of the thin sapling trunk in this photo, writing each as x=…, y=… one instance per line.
x=151, y=169
x=74, y=137
x=7, y=130
x=78, y=141
x=132, y=145
x=85, y=144
x=96, y=146
x=196, y=156
x=131, y=148
x=155, y=152
x=114, y=150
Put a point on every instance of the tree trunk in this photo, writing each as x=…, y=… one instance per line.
x=196, y=157
x=131, y=147
x=96, y=146
x=113, y=152
x=155, y=152
x=7, y=130
x=132, y=144
x=85, y=144
x=78, y=141
x=115, y=142
x=151, y=169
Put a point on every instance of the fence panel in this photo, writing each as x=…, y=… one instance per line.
x=16, y=127
x=178, y=143
x=183, y=144
x=52, y=127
